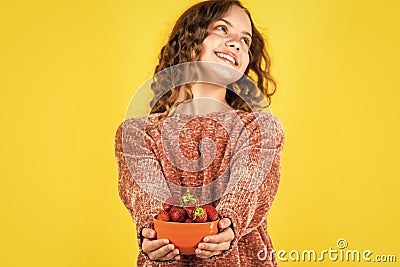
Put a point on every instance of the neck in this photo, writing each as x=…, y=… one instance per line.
x=206, y=98
x=207, y=90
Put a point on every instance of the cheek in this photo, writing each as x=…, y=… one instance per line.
x=246, y=61
x=210, y=42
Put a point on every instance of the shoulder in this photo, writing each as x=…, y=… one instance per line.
x=133, y=128
x=261, y=117
x=279, y=130
x=132, y=133
x=269, y=125
x=277, y=124
x=137, y=123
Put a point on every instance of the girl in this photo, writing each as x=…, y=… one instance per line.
x=242, y=177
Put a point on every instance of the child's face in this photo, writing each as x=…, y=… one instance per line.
x=229, y=39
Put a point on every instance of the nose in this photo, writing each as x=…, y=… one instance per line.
x=233, y=43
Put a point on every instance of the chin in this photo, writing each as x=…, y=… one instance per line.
x=217, y=73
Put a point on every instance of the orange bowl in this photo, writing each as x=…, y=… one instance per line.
x=185, y=236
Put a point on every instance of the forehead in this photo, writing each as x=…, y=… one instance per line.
x=238, y=18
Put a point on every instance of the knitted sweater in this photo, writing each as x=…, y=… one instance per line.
x=245, y=170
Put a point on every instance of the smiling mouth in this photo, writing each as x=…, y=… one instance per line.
x=227, y=57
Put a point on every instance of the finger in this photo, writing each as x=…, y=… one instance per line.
x=214, y=247
x=171, y=255
x=206, y=253
x=224, y=236
x=224, y=223
x=148, y=233
x=161, y=252
x=149, y=246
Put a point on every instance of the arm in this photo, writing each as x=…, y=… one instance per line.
x=134, y=157
x=133, y=197
x=245, y=205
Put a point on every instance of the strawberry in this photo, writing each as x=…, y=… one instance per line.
x=212, y=214
x=171, y=202
x=189, y=211
x=163, y=216
x=189, y=221
x=177, y=214
x=199, y=215
x=188, y=200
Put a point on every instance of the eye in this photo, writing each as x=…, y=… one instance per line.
x=246, y=41
x=223, y=29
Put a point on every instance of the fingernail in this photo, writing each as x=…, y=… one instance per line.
x=177, y=258
x=205, y=239
x=171, y=247
x=176, y=251
x=198, y=251
x=166, y=241
x=151, y=232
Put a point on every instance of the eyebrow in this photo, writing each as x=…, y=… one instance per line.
x=230, y=25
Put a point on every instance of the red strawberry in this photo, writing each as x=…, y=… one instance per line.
x=212, y=214
x=189, y=211
x=171, y=202
x=163, y=216
x=177, y=214
x=189, y=221
x=166, y=207
x=199, y=215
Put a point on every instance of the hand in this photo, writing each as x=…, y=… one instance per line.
x=216, y=244
x=158, y=250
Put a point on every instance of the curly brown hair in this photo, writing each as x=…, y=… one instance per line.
x=184, y=45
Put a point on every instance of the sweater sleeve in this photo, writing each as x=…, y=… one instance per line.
x=136, y=164
x=249, y=199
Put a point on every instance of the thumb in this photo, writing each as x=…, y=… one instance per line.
x=224, y=223
x=148, y=233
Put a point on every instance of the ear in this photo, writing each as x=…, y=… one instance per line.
x=192, y=55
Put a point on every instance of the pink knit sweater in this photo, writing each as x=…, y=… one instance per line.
x=245, y=194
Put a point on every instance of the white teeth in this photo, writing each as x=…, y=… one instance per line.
x=228, y=57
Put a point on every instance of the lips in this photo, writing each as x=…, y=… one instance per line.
x=228, y=57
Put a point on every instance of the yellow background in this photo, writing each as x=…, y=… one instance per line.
x=70, y=68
